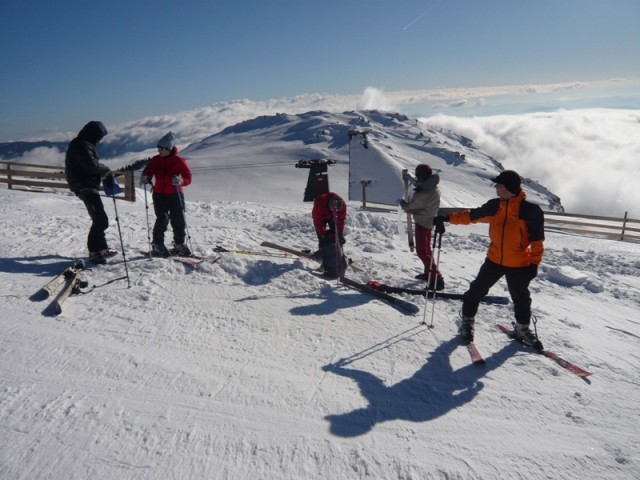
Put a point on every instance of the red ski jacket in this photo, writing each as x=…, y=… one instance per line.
x=323, y=217
x=164, y=169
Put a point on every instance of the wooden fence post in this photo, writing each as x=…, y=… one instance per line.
x=129, y=186
x=624, y=225
x=364, y=184
x=9, y=176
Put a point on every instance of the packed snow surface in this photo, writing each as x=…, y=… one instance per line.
x=257, y=367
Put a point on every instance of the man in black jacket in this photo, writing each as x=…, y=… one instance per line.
x=84, y=173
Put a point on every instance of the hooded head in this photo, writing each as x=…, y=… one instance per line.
x=167, y=142
x=93, y=132
x=510, y=179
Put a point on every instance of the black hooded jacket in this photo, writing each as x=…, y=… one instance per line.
x=82, y=169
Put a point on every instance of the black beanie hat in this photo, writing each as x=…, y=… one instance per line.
x=510, y=180
x=423, y=171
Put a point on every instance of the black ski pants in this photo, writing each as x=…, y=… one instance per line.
x=96, y=241
x=518, y=279
x=168, y=208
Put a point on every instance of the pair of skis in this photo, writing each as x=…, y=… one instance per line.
x=405, y=179
x=70, y=281
x=403, y=306
x=477, y=359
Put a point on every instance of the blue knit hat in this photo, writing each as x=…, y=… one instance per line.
x=168, y=141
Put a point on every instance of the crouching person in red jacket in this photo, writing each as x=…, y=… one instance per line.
x=329, y=214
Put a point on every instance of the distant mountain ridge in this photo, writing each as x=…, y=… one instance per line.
x=259, y=155
x=255, y=158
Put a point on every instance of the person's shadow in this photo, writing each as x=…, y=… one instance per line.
x=431, y=392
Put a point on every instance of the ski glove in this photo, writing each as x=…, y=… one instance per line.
x=438, y=222
x=176, y=181
x=533, y=271
x=144, y=180
x=110, y=186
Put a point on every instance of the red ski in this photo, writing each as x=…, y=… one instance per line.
x=573, y=368
x=476, y=357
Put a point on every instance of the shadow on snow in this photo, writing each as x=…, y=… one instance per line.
x=434, y=390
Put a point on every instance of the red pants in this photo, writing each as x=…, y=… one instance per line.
x=423, y=248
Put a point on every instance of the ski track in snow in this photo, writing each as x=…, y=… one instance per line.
x=257, y=367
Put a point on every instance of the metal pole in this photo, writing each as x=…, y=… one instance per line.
x=436, y=238
x=146, y=207
x=124, y=255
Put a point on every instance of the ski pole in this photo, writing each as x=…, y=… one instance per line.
x=146, y=207
x=432, y=291
x=433, y=304
x=124, y=255
x=184, y=215
x=336, y=239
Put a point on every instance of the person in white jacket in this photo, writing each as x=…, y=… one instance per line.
x=424, y=205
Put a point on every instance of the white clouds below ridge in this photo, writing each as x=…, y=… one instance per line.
x=588, y=157
x=585, y=156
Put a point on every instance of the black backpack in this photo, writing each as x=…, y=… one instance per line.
x=334, y=260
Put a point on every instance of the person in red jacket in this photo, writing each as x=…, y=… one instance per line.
x=170, y=172
x=516, y=232
x=327, y=229
x=322, y=215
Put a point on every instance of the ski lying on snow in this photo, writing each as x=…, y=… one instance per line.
x=398, y=303
x=221, y=249
x=72, y=285
x=443, y=295
x=559, y=360
x=304, y=254
x=52, y=285
x=192, y=260
x=298, y=253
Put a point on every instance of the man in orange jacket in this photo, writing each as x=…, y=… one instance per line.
x=516, y=231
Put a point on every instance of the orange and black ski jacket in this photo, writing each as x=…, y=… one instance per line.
x=516, y=230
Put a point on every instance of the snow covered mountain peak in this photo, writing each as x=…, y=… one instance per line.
x=255, y=159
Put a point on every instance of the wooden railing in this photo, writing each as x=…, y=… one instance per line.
x=618, y=228
x=624, y=228
x=43, y=177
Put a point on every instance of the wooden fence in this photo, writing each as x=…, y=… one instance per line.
x=618, y=228
x=36, y=177
x=624, y=228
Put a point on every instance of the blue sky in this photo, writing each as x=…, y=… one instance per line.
x=67, y=62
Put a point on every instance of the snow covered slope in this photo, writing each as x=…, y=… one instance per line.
x=257, y=367
x=255, y=160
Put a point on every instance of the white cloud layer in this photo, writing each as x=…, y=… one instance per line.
x=590, y=158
